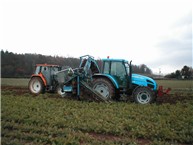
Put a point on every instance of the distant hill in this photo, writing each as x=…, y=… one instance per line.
x=22, y=65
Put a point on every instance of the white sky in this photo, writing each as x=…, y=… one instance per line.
x=157, y=33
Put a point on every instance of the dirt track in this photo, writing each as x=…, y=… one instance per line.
x=171, y=99
x=15, y=89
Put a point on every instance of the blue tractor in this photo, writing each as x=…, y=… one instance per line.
x=107, y=80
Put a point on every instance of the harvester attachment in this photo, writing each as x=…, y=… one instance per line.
x=94, y=93
x=162, y=91
x=67, y=76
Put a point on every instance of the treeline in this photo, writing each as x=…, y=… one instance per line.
x=23, y=65
x=185, y=73
x=142, y=69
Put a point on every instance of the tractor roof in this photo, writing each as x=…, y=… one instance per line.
x=115, y=60
x=45, y=64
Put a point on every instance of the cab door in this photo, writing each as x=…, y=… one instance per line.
x=47, y=74
x=118, y=71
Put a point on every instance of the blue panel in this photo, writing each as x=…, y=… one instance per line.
x=143, y=80
x=67, y=88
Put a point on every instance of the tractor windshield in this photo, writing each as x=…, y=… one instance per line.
x=37, y=70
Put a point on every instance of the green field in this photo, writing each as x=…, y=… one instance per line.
x=14, y=82
x=49, y=119
x=177, y=85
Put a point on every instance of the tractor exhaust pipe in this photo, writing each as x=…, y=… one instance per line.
x=130, y=75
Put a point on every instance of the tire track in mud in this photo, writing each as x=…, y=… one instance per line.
x=17, y=90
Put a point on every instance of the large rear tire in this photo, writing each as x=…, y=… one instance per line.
x=143, y=95
x=104, y=87
x=36, y=86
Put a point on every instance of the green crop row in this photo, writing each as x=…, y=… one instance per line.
x=46, y=120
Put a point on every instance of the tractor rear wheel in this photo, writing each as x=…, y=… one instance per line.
x=104, y=87
x=143, y=95
x=36, y=86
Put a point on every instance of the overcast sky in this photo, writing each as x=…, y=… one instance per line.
x=157, y=33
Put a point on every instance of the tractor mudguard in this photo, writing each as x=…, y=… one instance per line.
x=109, y=77
x=41, y=76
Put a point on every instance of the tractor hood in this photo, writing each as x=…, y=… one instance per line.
x=141, y=80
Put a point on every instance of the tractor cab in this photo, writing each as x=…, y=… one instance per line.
x=46, y=72
x=120, y=72
x=119, y=69
x=43, y=78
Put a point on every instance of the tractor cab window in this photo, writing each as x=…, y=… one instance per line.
x=37, y=71
x=118, y=69
x=119, y=73
x=106, y=67
x=44, y=69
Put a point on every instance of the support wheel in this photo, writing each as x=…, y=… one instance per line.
x=36, y=86
x=60, y=91
x=104, y=87
x=143, y=95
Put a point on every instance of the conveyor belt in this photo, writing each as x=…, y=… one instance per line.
x=96, y=95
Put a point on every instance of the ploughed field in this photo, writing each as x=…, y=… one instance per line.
x=50, y=119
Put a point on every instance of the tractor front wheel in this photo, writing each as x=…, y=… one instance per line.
x=143, y=95
x=104, y=87
x=36, y=86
